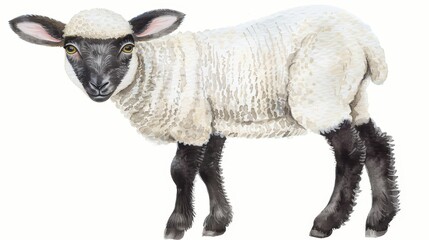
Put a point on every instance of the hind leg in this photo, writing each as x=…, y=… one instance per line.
x=380, y=166
x=210, y=171
x=349, y=154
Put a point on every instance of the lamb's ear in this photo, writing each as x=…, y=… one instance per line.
x=155, y=24
x=38, y=29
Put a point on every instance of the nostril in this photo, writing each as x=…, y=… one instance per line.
x=99, y=87
x=98, y=84
x=104, y=85
x=94, y=85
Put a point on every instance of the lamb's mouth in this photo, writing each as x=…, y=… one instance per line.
x=100, y=97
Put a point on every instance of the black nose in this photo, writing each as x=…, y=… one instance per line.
x=99, y=86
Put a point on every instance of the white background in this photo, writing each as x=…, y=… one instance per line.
x=71, y=168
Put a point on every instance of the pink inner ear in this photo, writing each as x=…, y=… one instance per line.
x=158, y=24
x=36, y=30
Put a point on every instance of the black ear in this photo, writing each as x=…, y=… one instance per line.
x=38, y=29
x=155, y=24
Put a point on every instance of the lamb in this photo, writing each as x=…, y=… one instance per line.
x=305, y=69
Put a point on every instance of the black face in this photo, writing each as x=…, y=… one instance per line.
x=99, y=64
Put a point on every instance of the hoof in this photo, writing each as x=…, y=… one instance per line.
x=213, y=233
x=373, y=233
x=215, y=223
x=171, y=233
x=320, y=234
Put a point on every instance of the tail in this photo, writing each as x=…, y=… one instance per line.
x=377, y=67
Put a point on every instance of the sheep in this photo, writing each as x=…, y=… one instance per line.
x=304, y=69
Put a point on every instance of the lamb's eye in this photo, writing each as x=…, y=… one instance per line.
x=70, y=49
x=128, y=48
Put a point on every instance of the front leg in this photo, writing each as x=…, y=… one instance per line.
x=183, y=170
x=210, y=171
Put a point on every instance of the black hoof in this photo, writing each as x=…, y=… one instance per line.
x=320, y=234
x=215, y=223
x=213, y=233
x=377, y=226
x=171, y=233
x=374, y=233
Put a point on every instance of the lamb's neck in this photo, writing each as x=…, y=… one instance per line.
x=167, y=77
x=172, y=61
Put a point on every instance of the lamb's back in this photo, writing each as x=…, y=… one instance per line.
x=245, y=69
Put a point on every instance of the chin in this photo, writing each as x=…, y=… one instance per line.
x=99, y=98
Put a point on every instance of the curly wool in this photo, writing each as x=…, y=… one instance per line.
x=295, y=71
x=97, y=23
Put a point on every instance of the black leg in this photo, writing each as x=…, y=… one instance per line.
x=349, y=154
x=210, y=171
x=183, y=170
x=380, y=166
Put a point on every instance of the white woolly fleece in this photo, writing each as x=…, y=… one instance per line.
x=294, y=71
x=97, y=23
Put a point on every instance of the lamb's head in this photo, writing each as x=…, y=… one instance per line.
x=99, y=44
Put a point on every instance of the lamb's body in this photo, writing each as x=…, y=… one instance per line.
x=296, y=70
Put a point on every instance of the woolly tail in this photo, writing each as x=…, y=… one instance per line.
x=377, y=67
